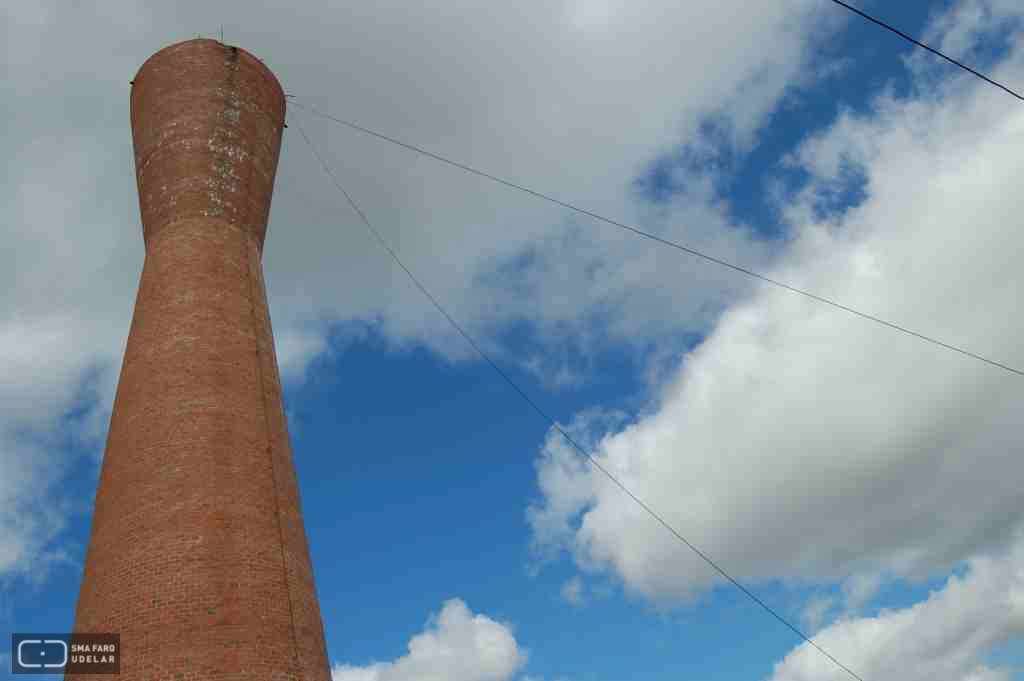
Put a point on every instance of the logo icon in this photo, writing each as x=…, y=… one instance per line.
x=24, y=656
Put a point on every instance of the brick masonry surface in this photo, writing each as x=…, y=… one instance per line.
x=198, y=555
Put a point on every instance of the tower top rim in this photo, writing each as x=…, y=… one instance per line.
x=201, y=43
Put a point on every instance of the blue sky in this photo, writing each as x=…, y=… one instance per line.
x=418, y=464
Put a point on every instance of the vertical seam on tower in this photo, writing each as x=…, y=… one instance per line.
x=262, y=387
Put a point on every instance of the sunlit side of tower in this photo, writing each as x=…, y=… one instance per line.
x=198, y=556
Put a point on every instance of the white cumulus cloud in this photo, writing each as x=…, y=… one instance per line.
x=455, y=645
x=799, y=442
x=546, y=93
x=943, y=638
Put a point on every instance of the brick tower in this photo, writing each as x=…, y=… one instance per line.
x=198, y=555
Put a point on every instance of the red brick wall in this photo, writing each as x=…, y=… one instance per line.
x=198, y=554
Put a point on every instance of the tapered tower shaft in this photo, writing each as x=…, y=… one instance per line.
x=198, y=556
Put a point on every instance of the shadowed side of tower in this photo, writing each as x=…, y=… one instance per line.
x=198, y=555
